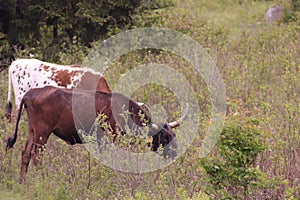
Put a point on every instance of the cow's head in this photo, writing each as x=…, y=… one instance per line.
x=163, y=135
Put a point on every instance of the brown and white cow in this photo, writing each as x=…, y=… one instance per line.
x=51, y=110
x=25, y=74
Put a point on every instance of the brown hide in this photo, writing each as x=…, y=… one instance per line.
x=88, y=82
x=50, y=110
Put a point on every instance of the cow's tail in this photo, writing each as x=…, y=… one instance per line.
x=12, y=140
x=8, y=108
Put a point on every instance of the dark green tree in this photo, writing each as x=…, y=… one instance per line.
x=53, y=25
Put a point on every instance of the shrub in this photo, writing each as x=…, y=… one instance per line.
x=232, y=172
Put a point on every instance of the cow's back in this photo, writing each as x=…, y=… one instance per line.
x=64, y=111
x=48, y=104
x=50, y=110
x=32, y=73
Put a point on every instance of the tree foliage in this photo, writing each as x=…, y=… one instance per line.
x=54, y=24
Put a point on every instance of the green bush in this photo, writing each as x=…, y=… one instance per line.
x=232, y=172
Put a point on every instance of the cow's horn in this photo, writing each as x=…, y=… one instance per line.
x=145, y=105
x=184, y=116
x=154, y=126
x=140, y=103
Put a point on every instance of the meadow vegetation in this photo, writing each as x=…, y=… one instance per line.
x=257, y=155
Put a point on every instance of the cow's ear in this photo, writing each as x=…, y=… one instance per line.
x=103, y=85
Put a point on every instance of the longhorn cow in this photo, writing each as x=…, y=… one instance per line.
x=25, y=74
x=51, y=109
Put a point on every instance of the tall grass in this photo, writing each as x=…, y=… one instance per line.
x=258, y=62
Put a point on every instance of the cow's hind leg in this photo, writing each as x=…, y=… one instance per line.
x=8, y=110
x=39, y=141
x=26, y=154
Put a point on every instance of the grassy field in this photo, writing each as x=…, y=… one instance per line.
x=260, y=65
x=10, y=196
